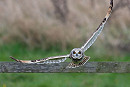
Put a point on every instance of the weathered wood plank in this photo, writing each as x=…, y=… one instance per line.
x=89, y=67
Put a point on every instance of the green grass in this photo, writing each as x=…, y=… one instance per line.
x=22, y=52
x=65, y=80
x=61, y=79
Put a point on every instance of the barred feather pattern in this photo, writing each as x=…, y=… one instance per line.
x=99, y=29
x=73, y=65
x=53, y=61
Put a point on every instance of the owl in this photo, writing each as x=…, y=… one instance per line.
x=77, y=56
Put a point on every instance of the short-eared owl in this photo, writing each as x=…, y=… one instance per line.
x=77, y=54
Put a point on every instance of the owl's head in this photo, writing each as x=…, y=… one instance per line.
x=76, y=53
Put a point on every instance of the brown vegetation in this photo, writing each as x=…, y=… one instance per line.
x=35, y=23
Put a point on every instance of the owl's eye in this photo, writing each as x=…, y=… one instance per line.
x=79, y=52
x=74, y=52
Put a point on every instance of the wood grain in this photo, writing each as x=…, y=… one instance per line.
x=89, y=67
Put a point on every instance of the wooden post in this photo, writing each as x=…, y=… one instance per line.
x=89, y=67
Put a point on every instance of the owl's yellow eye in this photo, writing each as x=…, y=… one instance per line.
x=79, y=52
x=74, y=52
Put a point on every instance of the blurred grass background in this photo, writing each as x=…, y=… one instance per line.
x=34, y=29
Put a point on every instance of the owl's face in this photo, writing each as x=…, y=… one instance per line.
x=77, y=53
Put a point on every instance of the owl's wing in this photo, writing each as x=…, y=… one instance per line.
x=99, y=29
x=73, y=65
x=54, y=59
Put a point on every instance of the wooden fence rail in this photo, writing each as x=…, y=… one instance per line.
x=89, y=67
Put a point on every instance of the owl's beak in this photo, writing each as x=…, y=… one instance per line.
x=76, y=54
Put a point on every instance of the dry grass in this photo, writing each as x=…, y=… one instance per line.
x=34, y=23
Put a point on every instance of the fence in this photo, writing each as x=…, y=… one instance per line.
x=89, y=67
